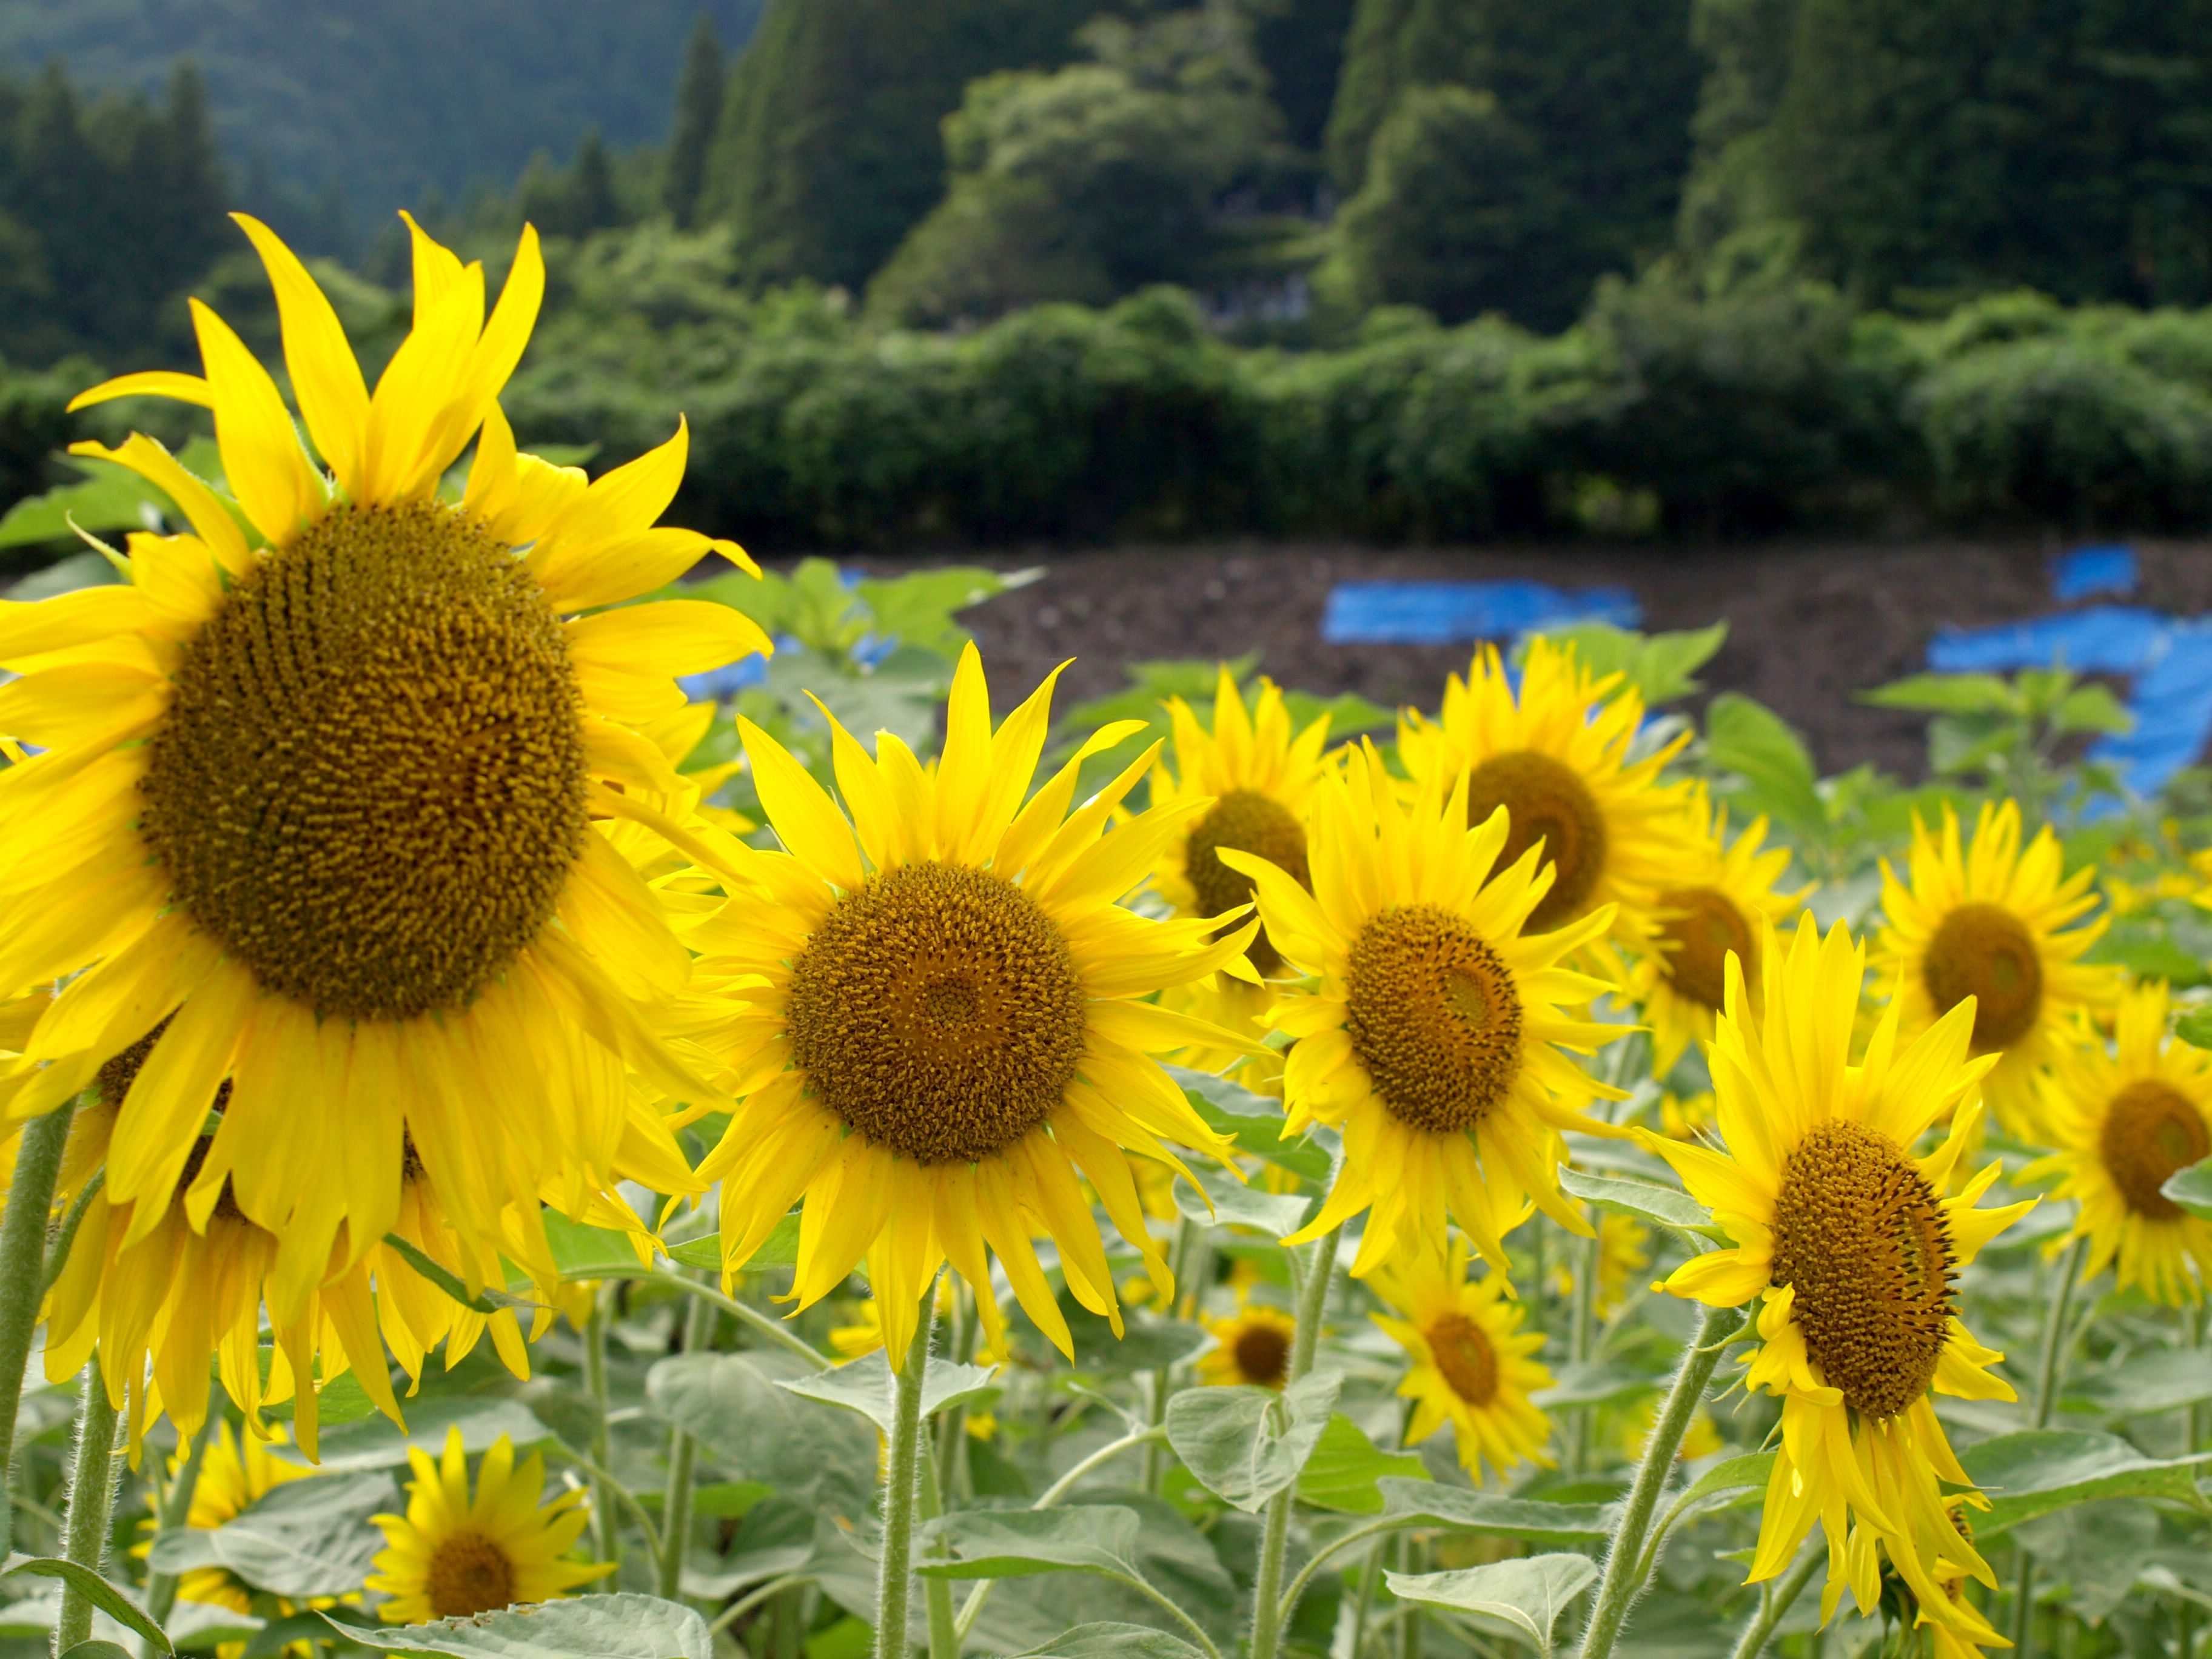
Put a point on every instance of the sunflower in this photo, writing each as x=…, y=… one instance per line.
x=1254, y=1345
x=2125, y=1120
x=1711, y=904
x=1854, y=1246
x=938, y=1017
x=1956, y=1628
x=323, y=803
x=1990, y=921
x=1434, y=1036
x=1558, y=757
x=452, y=1555
x=235, y=1472
x=1472, y=1361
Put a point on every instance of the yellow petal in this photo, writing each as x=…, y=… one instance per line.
x=262, y=458
x=325, y=375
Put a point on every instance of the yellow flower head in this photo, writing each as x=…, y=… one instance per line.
x=1253, y=1346
x=1989, y=921
x=1435, y=1036
x=938, y=1017
x=1712, y=904
x=2125, y=1119
x=1472, y=1362
x=1852, y=1244
x=344, y=795
x=1556, y=756
x=452, y=1555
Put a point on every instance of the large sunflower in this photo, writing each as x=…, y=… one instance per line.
x=326, y=788
x=1989, y=921
x=1558, y=756
x=1712, y=904
x=1435, y=1036
x=2124, y=1119
x=1853, y=1244
x=940, y=1017
x=1472, y=1363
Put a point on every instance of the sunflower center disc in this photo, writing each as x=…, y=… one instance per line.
x=1545, y=801
x=468, y=1574
x=1245, y=821
x=2151, y=1131
x=1465, y=1359
x=1858, y=1231
x=938, y=1011
x=1263, y=1355
x=1434, y=1017
x=1984, y=952
x=1708, y=928
x=370, y=786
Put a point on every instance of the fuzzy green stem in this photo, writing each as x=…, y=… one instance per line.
x=894, y=1582
x=683, y=1453
x=1624, y=1557
x=606, y=1526
x=937, y=1593
x=1268, y=1615
x=2049, y=1364
x=65, y=1239
x=1179, y=1259
x=23, y=1277
x=176, y=1508
x=91, y=1502
x=1408, y=1613
x=1580, y=1334
x=952, y=1422
x=1775, y=1602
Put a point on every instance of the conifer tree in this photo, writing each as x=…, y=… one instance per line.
x=698, y=110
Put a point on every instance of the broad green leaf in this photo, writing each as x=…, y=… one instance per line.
x=1533, y=1522
x=1238, y=1204
x=1252, y=1121
x=2195, y=1027
x=380, y=1443
x=1147, y=1342
x=301, y=1539
x=1344, y=1466
x=1659, y=666
x=918, y=608
x=1751, y=740
x=779, y=1250
x=581, y=1627
x=95, y=1590
x=1171, y=1554
x=2039, y=1470
x=99, y=1651
x=2191, y=1188
x=1107, y=1641
x=1668, y=1206
x=757, y=1432
x=2091, y=708
x=1726, y=1481
x=110, y=498
x=1528, y=1594
x=1016, y=1543
x=1947, y=694
x=1349, y=713
x=1595, y=1382
x=1246, y=1444
x=585, y=1252
x=2146, y=1384
x=776, y=1537
x=866, y=1385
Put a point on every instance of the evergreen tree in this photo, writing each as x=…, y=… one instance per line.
x=698, y=109
x=1300, y=44
x=571, y=202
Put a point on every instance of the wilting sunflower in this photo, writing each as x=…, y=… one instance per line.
x=1259, y=778
x=2124, y=1121
x=1472, y=1361
x=1711, y=904
x=1956, y=1628
x=1253, y=1345
x=452, y=1555
x=235, y=1472
x=1558, y=757
x=326, y=785
x=1990, y=921
x=1853, y=1245
x=1434, y=1038
x=938, y=1018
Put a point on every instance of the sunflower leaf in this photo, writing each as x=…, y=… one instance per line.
x=1526, y=1595
x=2195, y=1028
x=1112, y=1641
x=2191, y=1188
x=1595, y=1383
x=95, y=1590
x=757, y=1432
x=779, y=1250
x=866, y=1386
x=1254, y=1122
x=303, y=1539
x=1527, y=1519
x=1669, y=1207
x=380, y=1443
x=1342, y=1473
x=2036, y=1471
x=626, y=1627
x=1016, y=1543
x=1220, y=1198
x=1246, y=1444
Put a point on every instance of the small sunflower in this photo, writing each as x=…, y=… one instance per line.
x=937, y=1016
x=1434, y=1038
x=452, y=1555
x=1853, y=1245
x=1711, y=904
x=1254, y=1345
x=235, y=1472
x=1990, y=921
x=2124, y=1121
x=323, y=803
x=1473, y=1364
x=1557, y=756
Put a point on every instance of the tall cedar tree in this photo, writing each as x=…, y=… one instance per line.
x=1300, y=43
x=698, y=112
x=829, y=149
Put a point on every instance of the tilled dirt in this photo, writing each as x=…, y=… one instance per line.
x=1808, y=624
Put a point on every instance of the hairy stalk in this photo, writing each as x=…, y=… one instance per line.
x=1408, y=1613
x=683, y=1453
x=894, y=1582
x=1580, y=1340
x=2049, y=1364
x=1179, y=1261
x=953, y=1421
x=1268, y=1613
x=1624, y=1557
x=176, y=1508
x=1775, y=1601
x=65, y=1239
x=606, y=1526
x=91, y=1501
x=937, y=1593
x=22, y=1278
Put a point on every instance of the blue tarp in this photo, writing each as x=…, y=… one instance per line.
x=1454, y=613
x=2105, y=639
x=2106, y=568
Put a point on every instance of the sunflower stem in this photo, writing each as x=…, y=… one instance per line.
x=176, y=1511
x=91, y=1502
x=682, y=1452
x=606, y=1526
x=952, y=1422
x=22, y=1278
x=1312, y=1274
x=65, y=1239
x=1624, y=1556
x=1156, y=1412
x=937, y=1593
x=2049, y=1366
x=901, y=1484
x=1580, y=1333
x=1775, y=1601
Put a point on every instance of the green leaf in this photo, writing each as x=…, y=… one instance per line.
x=1148, y=1343
x=99, y=1651
x=1017, y=1543
x=758, y=1431
x=587, y=1251
x=1528, y=1594
x=1111, y=1641
x=380, y=1443
x=2146, y=1384
x=779, y=1250
x=866, y=1385
x=2191, y=1188
x=1659, y=666
x=1947, y=694
x=776, y=1537
x=1751, y=740
x=1344, y=1466
x=1492, y=1513
x=1726, y=1482
x=919, y=607
x=1246, y=1444
x=1595, y=1383
x=110, y=498
x=1253, y=1121
x=2039, y=1470
x=2195, y=1026
x=581, y=1627
x=1236, y=1203
x=2091, y=708
x=1667, y=1207
x=95, y=1590
x=301, y=1539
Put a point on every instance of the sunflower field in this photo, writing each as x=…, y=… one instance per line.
x=563, y=1103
